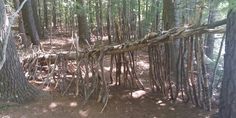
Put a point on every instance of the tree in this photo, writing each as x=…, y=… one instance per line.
x=29, y=22
x=82, y=22
x=210, y=38
x=21, y=26
x=13, y=84
x=54, y=14
x=45, y=4
x=34, y=5
x=228, y=93
x=169, y=22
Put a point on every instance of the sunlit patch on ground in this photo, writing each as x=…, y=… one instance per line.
x=142, y=64
x=53, y=105
x=138, y=94
x=83, y=113
x=73, y=104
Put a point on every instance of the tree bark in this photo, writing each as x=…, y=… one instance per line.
x=34, y=4
x=13, y=84
x=45, y=5
x=169, y=22
x=210, y=38
x=21, y=26
x=83, y=25
x=228, y=90
x=29, y=22
x=139, y=19
x=54, y=15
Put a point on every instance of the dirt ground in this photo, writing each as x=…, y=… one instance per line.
x=122, y=104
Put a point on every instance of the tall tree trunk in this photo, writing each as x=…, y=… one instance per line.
x=29, y=22
x=228, y=90
x=21, y=26
x=210, y=45
x=45, y=5
x=13, y=84
x=109, y=21
x=139, y=19
x=36, y=17
x=210, y=38
x=54, y=14
x=169, y=22
x=82, y=23
x=98, y=20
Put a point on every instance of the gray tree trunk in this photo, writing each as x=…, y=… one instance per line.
x=29, y=22
x=54, y=15
x=36, y=17
x=22, y=32
x=228, y=90
x=210, y=38
x=169, y=22
x=13, y=84
x=82, y=23
x=45, y=5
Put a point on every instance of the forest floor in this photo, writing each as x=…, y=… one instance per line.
x=141, y=104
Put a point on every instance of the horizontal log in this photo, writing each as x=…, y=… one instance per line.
x=150, y=39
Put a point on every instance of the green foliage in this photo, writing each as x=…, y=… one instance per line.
x=232, y=4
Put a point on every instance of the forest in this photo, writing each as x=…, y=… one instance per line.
x=117, y=58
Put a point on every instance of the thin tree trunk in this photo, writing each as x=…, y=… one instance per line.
x=45, y=13
x=54, y=14
x=139, y=19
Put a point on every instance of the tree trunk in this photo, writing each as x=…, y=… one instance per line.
x=13, y=84
x=27, y=13
x=21, y=26
x=36, y=17
x=98, y=31
x=228, y=90
x=109, y=21
x=45, y=5
x=14, y=87
x=139, y=19
x=83, y=25
x=54, y=14
x=169, y=22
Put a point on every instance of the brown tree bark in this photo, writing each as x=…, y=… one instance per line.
x=228, y=90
